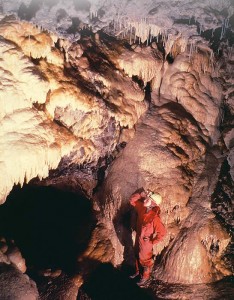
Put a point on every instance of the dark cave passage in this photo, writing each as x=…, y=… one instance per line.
x=109, y=283
x=50, y=227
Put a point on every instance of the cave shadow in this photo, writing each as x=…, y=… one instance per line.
x=51, y=227
x=109, y=283
x=224, y=288
x=124, y=224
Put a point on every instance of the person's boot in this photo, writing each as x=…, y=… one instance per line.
x=134, y=275
x=143, y=281
x=146, y=276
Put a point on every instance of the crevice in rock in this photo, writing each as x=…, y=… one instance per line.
x=222, y=206
x=170, y=58
x=75, y=27
x=148, y=91
x=138, y=81
x=27, y=13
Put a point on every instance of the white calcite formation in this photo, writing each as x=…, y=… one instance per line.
x=30, y=144
x=45, y=115
x=143, y=18
x=191, y=84
x=179, y=23
x=142, y=64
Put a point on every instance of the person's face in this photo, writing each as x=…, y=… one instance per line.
x=147, y=202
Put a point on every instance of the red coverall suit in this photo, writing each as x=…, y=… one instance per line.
x=149, y=231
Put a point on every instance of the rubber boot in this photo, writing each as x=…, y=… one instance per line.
x=146, y=276
x=137, y=271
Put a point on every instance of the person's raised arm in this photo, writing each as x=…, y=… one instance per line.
x=134, y=198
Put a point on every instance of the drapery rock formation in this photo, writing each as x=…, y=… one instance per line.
x=82, y=125
x=154, y=108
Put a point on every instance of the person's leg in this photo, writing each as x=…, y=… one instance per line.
x=147, y=270
x=146, y=260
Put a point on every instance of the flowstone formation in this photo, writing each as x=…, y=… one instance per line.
x=103, y=102
x=75, y=111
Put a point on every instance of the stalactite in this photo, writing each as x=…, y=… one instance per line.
x=225, y=26
x=211, y=61
x=200, y=26
x=230, y=52
x=191, y=51
x=143, y=29
x=222, y=31
x=130, y=39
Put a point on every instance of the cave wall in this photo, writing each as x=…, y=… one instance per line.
x=75, y=111
x=78, y=101
x=176, y=151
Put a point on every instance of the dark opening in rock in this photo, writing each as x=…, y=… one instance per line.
x=51, y=227
x=107, y=282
